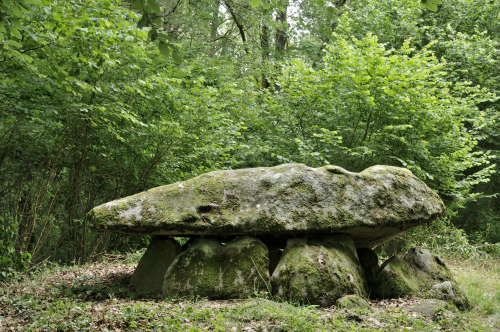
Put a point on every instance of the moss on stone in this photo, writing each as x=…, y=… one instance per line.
x=286, y=199
x=434, y=271
x=416, y=274
x=353, y=302
x=396, y=278
x=318, y=271
x=209, y=269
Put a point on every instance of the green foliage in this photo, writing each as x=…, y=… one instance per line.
x=103, y=99
x=11, y=261
x=98, y=115
x=371, y=105
x=430, y=4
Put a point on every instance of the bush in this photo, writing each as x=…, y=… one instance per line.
x=11, y=261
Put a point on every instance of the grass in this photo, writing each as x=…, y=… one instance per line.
x=98, y=297
x=481, y=282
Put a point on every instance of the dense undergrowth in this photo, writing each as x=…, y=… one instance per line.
x=98, y=297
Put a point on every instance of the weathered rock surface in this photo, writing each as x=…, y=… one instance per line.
x=395, y=278
x=429, y=307
x=150, y=272
x=317, y=271
x=207, y=268
x=443, y=291
x=353, y=301
x=418, y=272
x=292, y=199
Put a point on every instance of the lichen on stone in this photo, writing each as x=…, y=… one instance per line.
x=285, y=200
x=416, y=274
x=209, y=269
x=318, y=271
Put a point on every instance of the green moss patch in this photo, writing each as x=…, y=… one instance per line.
x=318, y=271
x=419, y=273
x=209, y=269
x=289, y=199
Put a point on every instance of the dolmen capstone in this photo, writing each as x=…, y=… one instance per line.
x=300, y=233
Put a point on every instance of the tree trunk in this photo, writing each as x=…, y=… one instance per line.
x=281, y=33
x=264, y=44
x=214, y=25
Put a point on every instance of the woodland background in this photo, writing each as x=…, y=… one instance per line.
x=104, y=99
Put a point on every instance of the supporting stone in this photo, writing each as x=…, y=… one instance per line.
x=149, y=274
x=395, y=278
x=319, y=271
x=209, y=269
x=417, y=273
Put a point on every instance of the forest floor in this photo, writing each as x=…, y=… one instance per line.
x=98, y=297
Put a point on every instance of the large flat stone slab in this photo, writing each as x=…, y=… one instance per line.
x=292, y=199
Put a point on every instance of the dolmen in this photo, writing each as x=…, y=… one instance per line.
x=299, y=233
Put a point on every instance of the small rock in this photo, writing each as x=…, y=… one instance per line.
x=443, y=291
x=429, y=307
x=274, y=328
x=353, y=301
x=418, y=272
x=354, y=316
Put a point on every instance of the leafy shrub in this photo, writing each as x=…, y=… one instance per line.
x=493, y=249
x=441, y=236
x=11, y=261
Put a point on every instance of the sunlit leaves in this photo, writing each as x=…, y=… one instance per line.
x=138, y=4
x=151, y=19
x=164, y=49
x=15, y=32
x=430, y=4
x=176, y=57
x=154, y=7
x=10, y=26
x=170, y=50
x=254, y=3
x=387, y=106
